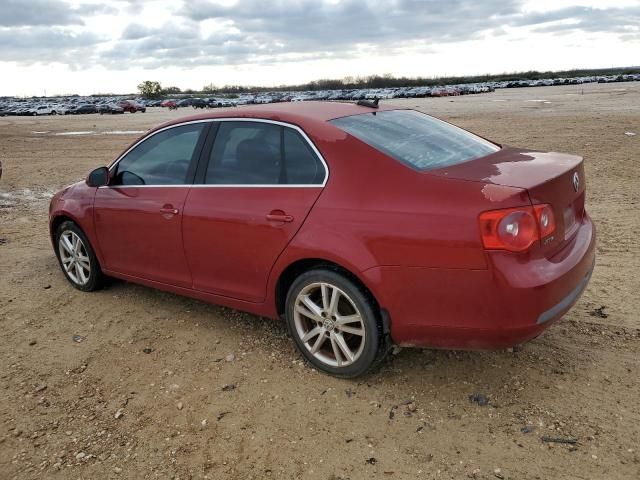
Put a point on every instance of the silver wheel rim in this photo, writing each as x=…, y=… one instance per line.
x=74, y=257
x=329, y=324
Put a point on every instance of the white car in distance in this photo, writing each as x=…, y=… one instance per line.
x=42, y=110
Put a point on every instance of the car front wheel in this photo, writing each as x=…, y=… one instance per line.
x=77, y=259
x=334, y=323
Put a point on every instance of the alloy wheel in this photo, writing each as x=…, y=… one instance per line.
x=329, y=324
x=74, y=257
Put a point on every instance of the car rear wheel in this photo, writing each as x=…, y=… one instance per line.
x=77, y=259
x=334, y=324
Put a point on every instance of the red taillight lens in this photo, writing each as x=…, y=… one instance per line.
x=546, y=220
x=516, y=229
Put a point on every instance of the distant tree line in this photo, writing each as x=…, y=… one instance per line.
x=151, y=89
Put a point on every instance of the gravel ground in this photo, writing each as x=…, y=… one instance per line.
x=134, y=383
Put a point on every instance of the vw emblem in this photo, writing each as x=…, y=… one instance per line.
x=576, y=181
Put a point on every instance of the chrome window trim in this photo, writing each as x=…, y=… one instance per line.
x=227, y=119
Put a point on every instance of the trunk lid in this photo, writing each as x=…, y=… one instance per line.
x=553, y=178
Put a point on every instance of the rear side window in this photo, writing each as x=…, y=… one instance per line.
x=245, y=153
x=416, y=139
x=302, y=165
x=260, y=153
x=162, y=159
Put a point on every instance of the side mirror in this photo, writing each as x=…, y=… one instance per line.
x=98, y=177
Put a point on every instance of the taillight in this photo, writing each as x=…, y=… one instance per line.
x=546, y=220
x=516, y=229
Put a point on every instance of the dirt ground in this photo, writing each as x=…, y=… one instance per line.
x=59, y=398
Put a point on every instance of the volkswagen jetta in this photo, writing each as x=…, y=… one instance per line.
x=362, y=227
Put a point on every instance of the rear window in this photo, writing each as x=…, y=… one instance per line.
x=416, y=139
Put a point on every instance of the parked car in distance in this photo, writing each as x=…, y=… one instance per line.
x=362, y=227
x=59, y=109
x=84, y=109
x=219, y=103
x=42, y=110
x=131, y=106
x=110, y=108
x=170, y=104
x=199, y=103
x=185, y=102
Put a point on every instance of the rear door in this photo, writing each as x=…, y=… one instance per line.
x=256, y=189
x=138, y=217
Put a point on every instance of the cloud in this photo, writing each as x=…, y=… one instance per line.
x=621, y=21
x=43, y=44
x=134, y=6
x=182, y=43
x=19, y=13
x=315, y=24
x=206, y=32
x=136, y=31
x=251, y=32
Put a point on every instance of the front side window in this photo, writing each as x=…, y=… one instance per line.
x=260, y=153
x=416, y=139
x=162, y=159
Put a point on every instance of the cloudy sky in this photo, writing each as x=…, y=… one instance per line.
x=90, y=46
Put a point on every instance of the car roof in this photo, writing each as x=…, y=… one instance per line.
x=297, y=113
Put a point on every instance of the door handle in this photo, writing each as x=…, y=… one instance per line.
x=279, y=216
x=169, y=210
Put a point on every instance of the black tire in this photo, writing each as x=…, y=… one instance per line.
x=375, y=346
x=96, y=278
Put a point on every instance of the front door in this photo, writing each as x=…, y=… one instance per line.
x=138, y=217
x=261, y=181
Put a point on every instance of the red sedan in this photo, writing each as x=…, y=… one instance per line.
x=362, y=227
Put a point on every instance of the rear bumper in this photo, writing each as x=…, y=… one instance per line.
x=560, y=308
x=511, y=302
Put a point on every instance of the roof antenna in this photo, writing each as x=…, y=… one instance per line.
x=367, y=103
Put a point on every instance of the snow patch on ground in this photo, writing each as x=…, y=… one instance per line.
x=124, y=132
x=74, y=133
x=14, y=198
x=88, y=132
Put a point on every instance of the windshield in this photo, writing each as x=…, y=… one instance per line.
x=416, y=139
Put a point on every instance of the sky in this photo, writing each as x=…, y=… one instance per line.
x=91, y=46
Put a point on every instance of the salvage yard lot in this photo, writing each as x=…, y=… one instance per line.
x=201, y=391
